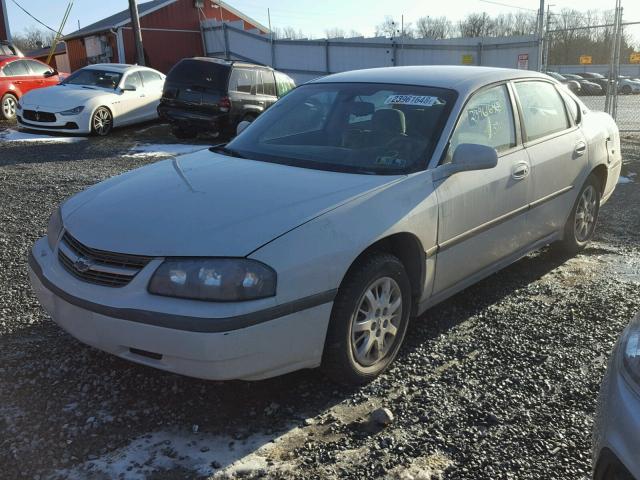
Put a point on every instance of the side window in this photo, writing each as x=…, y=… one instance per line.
x=572, y=106
x=16, y=69
x=268, y=82
x=242, y=80
x=38, y=68
x=543, y=110
x=487, y=119
x=150, y=78
x=134, y=80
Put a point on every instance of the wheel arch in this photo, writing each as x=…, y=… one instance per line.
x=408, y=248
x=601, y=173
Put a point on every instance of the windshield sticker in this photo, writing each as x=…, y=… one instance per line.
x=422, y=100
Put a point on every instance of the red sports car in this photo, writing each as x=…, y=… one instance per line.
x=18, y=75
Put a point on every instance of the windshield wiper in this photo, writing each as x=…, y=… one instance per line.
x=226, y=151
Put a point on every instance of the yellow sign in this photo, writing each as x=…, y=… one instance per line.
x=634, y=57
x=585, y=60
x=467, y=59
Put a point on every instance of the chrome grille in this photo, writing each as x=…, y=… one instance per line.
x=97, y=266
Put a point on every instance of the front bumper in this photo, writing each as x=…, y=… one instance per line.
x=616, y=440
x=260, y=348
x=64, y=124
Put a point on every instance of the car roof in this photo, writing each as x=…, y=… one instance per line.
x=229, y=63
x=464, y=79
x=117, y=67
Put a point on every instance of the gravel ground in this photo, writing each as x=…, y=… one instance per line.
x=498, y=382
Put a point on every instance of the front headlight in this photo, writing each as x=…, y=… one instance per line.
x=630, y=351
x=54, y=228
x=216, y=279
x=72, y=111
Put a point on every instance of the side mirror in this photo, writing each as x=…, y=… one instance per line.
x=241, y=126
x=466, y=157
x=129, y=88
x=50, y=73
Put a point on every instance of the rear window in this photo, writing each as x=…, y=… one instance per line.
x=200, y=72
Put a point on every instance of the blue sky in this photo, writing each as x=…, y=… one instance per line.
x=310, y=16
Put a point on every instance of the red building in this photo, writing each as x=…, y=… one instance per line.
x=170, y=31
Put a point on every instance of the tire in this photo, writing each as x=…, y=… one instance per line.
x=577, y=231
x=183, y=134
x=8, y=106
x=102, y=122
x=626, y=90
x=355, y=357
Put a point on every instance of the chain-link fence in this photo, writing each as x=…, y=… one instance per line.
x=595, y=57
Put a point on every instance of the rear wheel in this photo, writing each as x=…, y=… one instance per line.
x=368, y=321
x=8, y=106
x=581, y=224
x=102, y=121
x=183, y=133
x=626, y=89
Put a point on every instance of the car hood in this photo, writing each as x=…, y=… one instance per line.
x=61, y=97
x=207, y=204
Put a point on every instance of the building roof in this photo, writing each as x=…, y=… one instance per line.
x=61, y=47
x=123, y=17
x=464, y=79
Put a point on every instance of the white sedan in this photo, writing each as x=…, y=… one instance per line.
x=94, y=99
x=352, y=205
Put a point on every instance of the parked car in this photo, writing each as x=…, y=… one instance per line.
x=627, y=85
x=18, y=76
x=572, y=85
x=8, y=49
x=214, y=95
x=94, y=99
x=616, y=434
x=595, y=78
x=587, y=87
x=357, y=202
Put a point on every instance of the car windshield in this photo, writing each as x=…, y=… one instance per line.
x=91, y=77
x=351, y=127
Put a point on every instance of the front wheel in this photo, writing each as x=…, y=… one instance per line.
x=8, y=106
x=102, y=122
x=581, y=224
x=368, y=321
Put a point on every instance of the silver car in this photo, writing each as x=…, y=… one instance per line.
x=355, y=203
x=616, y=436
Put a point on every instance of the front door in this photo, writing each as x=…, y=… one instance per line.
x=482, y=213
x=131, y=107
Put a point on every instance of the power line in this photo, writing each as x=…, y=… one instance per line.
x=41, y=23
x=509, y=5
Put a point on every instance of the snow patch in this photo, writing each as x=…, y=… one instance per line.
x=216, y=456
x=163, y=149
x=623, y=180
x=15, y=136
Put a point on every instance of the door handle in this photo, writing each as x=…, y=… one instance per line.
x=580, y=149
x=520, y=171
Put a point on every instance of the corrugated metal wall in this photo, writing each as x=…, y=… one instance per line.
x=308, y=59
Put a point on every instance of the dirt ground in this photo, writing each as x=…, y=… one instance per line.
x=500, y=381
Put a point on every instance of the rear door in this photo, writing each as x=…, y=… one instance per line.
x=482, y=213
x=558, y=153
x=20, y=76
x=153, y=83
x=243, y=88
x=267, y=88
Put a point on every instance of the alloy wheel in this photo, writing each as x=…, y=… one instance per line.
x=102, y=121
x=9, y=107
x=586, y=210
x=374, y=325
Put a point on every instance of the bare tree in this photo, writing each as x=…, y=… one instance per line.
x=388, y=28
x=289, y=33
x=434, y=27
x=335, y=33
x=475, y=25
x=32, y=38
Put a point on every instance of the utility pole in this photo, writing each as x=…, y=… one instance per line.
x=540, y=33
x=4, y=22
x=137, y=33
x=547, y=40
